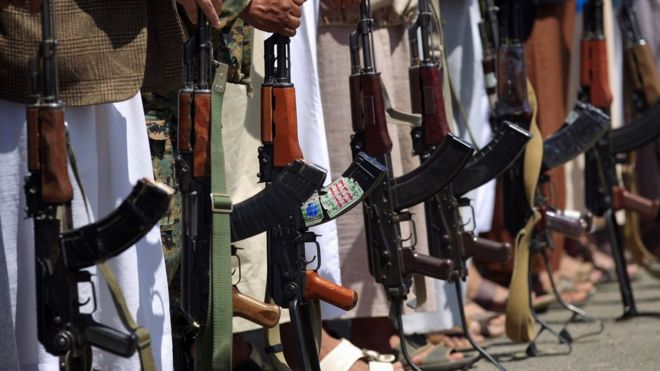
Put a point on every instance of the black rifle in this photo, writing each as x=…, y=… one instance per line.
x=600, y=164
x=446, y=237
x=489, y=35
x=61, y=253
x=390, y=263
x=291, y=284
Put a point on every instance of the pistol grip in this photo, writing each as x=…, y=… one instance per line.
x=266, y=315
x=646, y=208
x=202, y=128
x=285, y=127
x=414, y=262
x=109, y=339
x=483, y=248
x=184, y=125
x=318, y=287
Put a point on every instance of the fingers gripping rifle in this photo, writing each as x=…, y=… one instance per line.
x=290, y=283
x=61, y=252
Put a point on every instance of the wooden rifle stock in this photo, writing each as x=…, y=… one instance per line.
x=184, y=122
x=263, y=314
x=483, y=248
x=646, y=208
x=356, y=105
x=434, y=118
x=318, y=287
x=640, y=64
x=202, y=134
x=593, y=72
x=376, y=138
x=266, y=114
x=512, y=101
x=47, y=153
x=413, y=262
x=285, y=127
x=560, y=223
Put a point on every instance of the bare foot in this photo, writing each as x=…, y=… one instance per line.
x=419, y=357
x=328, y=343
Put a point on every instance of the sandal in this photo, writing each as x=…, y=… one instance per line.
x=437, y=358
x=345, y=355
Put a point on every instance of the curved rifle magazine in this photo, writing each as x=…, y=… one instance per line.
x=584, y=128
x=640, y=132
x=295, y=184
x=432, y=175
x=110, y=236
x=499, y=154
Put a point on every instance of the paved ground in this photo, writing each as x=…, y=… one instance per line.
x=632, y=344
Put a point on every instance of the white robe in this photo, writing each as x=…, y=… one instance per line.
x=112, y=151
x=311, y=134
x=463, y=49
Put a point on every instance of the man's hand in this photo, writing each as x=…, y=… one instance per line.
x=278, y=16
x=33, y=5
x=210, y=8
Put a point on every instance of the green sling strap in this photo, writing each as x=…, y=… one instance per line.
x=213, y=351
x=520, y=325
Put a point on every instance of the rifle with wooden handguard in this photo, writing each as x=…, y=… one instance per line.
x=512, y=105
x=61, y=252
x=290, y=283
x=600, y=164
x=390, y=263
x=639, y=64
x=489, y=35
x=427, y=99
x=193, y=166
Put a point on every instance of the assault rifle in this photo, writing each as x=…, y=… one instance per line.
x=640, y=67
x=193, y=166
x=446, y=237
x=512, y=105
x=290, y=283
x=600, y=164
x=489, y=35
x=62, y=253
x=390, y=263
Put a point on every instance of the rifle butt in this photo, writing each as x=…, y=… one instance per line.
x=263, y=314
x=318, y=287
x=285, y=136
x=483, y=248
x=433, y=112
x=646, y=208
x=48, y=134
x=184, y=124
x=416, y=263
x=202, y=133
x=594, y=72
x=377, y=139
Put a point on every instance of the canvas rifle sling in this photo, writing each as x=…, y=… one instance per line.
x=215, y=339
x=520, y=325
x=144, y=338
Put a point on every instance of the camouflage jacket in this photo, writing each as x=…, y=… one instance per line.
x=233, y=44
